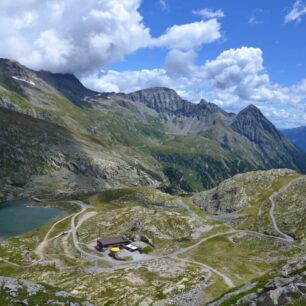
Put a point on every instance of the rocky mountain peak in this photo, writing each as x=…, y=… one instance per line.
x=4, y=62
x=162, y=99
x=251, y=123
x=69, y=85
x=167, y=101
x=60, y=79
x=252, y=109
x=13, y=69
x=214, y=108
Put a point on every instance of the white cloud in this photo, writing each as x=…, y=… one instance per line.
x=128, y=81
x=83, y=36
x=180, y=63
x=24, y=21
x=207, y=13
x=296, y=13
x=50, y=47
x=188, y=36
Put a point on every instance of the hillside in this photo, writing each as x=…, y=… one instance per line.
x=245, y=242
x=41, y=158
x=151, y=137
x=245, y=200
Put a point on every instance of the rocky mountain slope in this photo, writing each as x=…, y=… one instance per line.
x=162, y=138
x=245, y=200
x=273, y=146
x=42, y=158
x=297, y=136
x=14, y=291
x=285, y=288
x=266, y=203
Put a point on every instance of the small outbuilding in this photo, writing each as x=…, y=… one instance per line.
x=131, y=247
x=112, y=242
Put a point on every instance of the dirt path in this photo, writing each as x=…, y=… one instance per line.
x=264, y=235
x=226, y=279
x=173, y=256
x=39, y=251
x=271, y=212
x=9, y=262
x=119, y=266
x=85, y=217
x=74, y=234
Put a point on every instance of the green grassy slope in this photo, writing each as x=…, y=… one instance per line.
x=192, y=162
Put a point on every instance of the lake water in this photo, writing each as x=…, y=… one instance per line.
x=16, y=217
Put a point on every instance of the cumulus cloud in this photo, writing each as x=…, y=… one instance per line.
x=188, y=36
x=180, y=63
x=207, y=13
x=79, y=37
x=127, y=81
x=296, y=13
x=84, y=34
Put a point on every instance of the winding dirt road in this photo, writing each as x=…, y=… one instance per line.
x=173, y=256
x=39, y=251
x=93, y=257
x=226, y=279
x=271, y=212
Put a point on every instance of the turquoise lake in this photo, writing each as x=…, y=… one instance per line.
x=17, y=217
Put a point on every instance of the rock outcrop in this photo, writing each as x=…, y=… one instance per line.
x=286, y=289
x=237, y=192
x=23, y=292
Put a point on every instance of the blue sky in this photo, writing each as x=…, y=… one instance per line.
x=232, y=53
x=254, y=23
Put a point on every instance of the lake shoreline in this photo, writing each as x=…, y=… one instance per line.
x=16, y=217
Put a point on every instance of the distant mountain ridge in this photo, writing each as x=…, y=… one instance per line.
x=195, y=146
x=166, y=100
x=297, y=136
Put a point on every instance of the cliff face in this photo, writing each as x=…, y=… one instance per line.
x=166, y=101
x=252, y=124
x=272, y=145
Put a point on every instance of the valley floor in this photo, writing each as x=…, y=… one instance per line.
x=195, y=259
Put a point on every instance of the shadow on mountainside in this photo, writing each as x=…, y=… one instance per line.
x=47, y=158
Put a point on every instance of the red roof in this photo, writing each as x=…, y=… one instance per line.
x=113, y=240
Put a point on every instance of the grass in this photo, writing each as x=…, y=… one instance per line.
x=290, y=211
x=215, y=288
x=263, y=223
x=242, y=260
x=147, y=249
x=258, y=286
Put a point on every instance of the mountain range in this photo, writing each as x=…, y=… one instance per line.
x=297, y=136
x=58, y=136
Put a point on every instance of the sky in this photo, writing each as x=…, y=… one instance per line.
x=232, y=53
